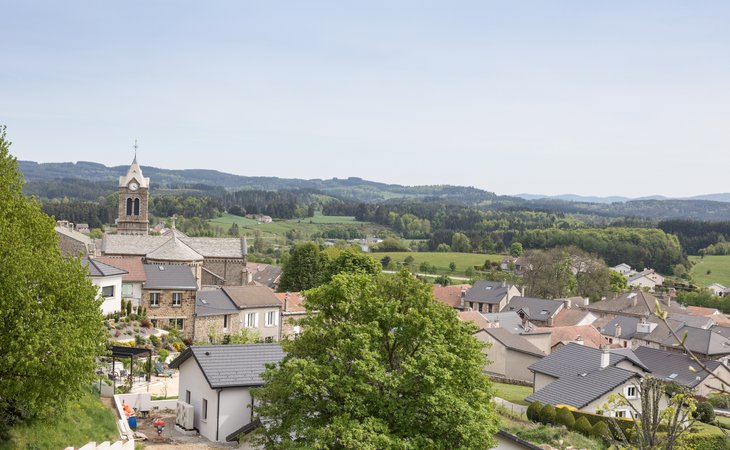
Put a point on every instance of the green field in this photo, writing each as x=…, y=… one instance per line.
x=719, y=267
x=441, y=259
x=278, y=228
x=85, y=420
x=512, y=392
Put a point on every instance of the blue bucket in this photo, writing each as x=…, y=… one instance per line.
x=132, y=422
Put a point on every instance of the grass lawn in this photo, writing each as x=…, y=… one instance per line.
x=719, y=267
x=512, y=392
x=307, y=226
x=544, y=434
x=441, y=259
x=723, y=421
x=86, y=419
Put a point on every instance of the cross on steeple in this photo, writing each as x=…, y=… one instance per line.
x=135, y=149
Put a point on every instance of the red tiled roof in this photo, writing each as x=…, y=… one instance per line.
x=569, y=317
x=451, y=295
x=294, y=304
x=132, y=265
x=590, y=335
x=475, y=317
x=712, y=313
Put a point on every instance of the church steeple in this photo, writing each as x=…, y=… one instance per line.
x=133, y=200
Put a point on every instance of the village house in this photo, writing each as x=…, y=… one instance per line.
x=489, y=296
x=634, y=303
x=585, y=377
x=539, y=311
x=647, y=278
x=718, y=290
x=133, y=280
x=259, y=310
x=169, y=296
x=72, y=242
x=452, y=295
x=292, y=309
x=108, y=280
x=624, y=269
x=586, y=335
x=215, y=315
x=264, y=274
x=216, y=381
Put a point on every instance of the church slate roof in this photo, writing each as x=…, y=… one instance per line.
x=175, y=250
x=226, y=366
x=139, y=245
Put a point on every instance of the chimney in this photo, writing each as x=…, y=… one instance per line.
x=504, y=283
x=286, y=302
x=174, y=219
x=496, y=323
x=249, y=277
x=605, y=357
x=522, y=292
x=617, y=330
x=567, y=303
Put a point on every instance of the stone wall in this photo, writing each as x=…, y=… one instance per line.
x=70, y=246
x=207, y=325
x=166, y=311
x=232, y=270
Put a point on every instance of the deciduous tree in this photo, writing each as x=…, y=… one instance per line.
x=50, y=317
x=381, y=365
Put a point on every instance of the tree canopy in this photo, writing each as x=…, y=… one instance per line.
x=51, y=322
x=381, y=364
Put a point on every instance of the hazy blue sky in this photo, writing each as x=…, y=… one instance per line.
x=596, y=98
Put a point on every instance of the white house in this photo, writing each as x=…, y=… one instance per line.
x=133, y=280
x=624, y=269
x=718, y=289
x=647, y=278
x=108, y=279
x=217, y=380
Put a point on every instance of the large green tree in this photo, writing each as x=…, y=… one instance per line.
x=353, y=261
x=50, y=317
x=305, y=268
x=381, y=365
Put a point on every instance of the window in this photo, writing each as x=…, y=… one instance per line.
x=129, y=206
x=154, y=299
x=127, y=290
x=626, y=344
x=297, y=329
x=154, y=322
x=610, y=340
x=107, y=291
x=136, y=206
x=252, y=320
x=177, y=299
x=631, y=392
x=187, y=397
x=205, y=409
x=272, y=318
x=177, y=323
x=225, y=322
x=619, y=413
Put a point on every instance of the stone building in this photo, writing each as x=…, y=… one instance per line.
x=292, y=308
x=169, y=296
x=72, y=242
x=133, y=201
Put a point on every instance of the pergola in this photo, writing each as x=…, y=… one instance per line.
x=132, y=353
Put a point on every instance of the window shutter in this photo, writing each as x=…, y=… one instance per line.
x=276, y=317
x=255, y=320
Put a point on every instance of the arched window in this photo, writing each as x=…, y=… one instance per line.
x=136, y=206
x=129, y=206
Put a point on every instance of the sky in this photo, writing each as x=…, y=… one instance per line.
x=594, y=98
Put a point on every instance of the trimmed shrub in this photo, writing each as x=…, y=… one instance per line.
x=705, y=412
x=583, y=426
x=600, y=431
x=563, y=416
x=533, y=411
x=547, y=414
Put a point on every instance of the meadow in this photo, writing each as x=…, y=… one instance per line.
x=441, y=259
x=717, y=266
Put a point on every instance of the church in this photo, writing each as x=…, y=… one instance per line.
x=213, y=261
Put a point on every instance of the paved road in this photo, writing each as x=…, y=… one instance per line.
x=430, y=275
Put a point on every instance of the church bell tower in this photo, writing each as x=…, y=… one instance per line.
x=133, y=200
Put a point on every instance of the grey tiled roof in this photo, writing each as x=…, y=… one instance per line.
x=536, y=308
x=624, y=304
x=514, y=341
x=213, y=302
x=508, y=320
x=627, y=330
x=673, y=366
x=99, y=269
x=170, y=276
x=174, y=250
x=268, y=276
x=579, y=389
x=117, y=244
x=252, y=296
x=232, y=365
x=574, y=359
x=487, y=292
